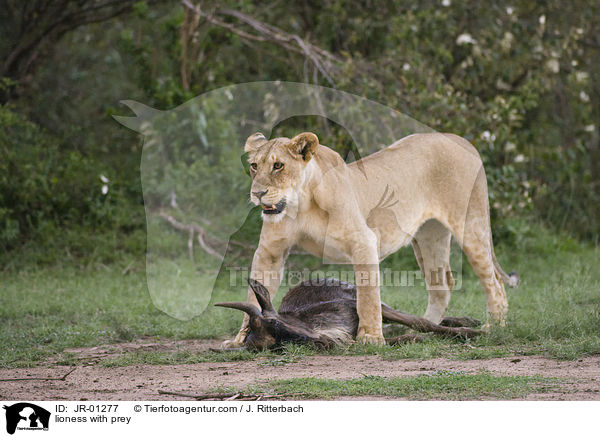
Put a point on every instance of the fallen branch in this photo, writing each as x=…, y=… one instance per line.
x=224, y=396
x=202, y=236
x=325, y=62
x=192, y=230
x=196, y=396
x=62, y=378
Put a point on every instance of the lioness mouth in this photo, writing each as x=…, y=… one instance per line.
x=273, y=209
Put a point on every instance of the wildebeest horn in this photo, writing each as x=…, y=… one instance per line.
x=262, y=296
x=249, y=309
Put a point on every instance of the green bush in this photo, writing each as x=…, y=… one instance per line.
x=49, y=191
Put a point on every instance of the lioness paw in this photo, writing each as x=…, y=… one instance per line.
x=232, y=344
x=365, y=338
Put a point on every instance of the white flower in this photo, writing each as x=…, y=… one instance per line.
x=510, y=146
x=467, y=63
x=589, y=128
x=105, y=182
x=553, y=65
x=582, y=76
x=542, y=19
x=584, y=96
x=486, y=135
x=501, y=85
x=519, y=158
x=465, y=38
x=509, y=10
x=406, y=66
x=507, y=41
x=446, y=3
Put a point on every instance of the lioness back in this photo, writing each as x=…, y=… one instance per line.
x=424, y=171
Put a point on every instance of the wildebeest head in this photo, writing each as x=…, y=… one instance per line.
x=269, y=329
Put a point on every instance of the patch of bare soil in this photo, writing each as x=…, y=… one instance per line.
x=143, y=382
x=93, y=355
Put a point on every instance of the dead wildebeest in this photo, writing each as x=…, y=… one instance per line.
x=323, y=313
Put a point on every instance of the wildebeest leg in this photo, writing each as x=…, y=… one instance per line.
x=457, y=322
x=406, y=338
x=421, y=324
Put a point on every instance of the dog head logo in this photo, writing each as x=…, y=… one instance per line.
x=26, y=416
x=192, y=180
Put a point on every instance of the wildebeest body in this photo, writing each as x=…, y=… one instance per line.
x=323, y=304
x=322, y=312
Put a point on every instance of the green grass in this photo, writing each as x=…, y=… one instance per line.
x=437, y=385
x=43, y=312
x=555, y=312
x=180, y=357
x=291, y=353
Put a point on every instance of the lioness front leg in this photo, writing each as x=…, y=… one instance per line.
x=368, y=304
x=368, y=299
x=267, y=268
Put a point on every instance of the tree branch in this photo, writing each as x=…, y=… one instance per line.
x=192, y=229
x=37, y=25
x=325, y=62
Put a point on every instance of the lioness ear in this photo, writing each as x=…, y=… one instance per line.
x=305, y=145
x=254, y=141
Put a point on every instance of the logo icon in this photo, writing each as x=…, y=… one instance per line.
x=26, y=416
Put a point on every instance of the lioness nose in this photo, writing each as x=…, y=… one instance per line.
x=259, y=194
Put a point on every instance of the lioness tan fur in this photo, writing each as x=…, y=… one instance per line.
x=421, y=190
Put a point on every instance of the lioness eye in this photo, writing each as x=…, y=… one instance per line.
x=253, y=166
x=277, y=166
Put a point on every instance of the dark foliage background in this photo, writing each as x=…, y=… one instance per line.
x=520, y=79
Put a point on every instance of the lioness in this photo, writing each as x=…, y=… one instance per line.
x=421, y=190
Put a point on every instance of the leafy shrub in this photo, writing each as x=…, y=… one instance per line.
x=48, y=190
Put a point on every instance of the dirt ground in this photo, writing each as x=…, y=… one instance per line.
x=91, y=381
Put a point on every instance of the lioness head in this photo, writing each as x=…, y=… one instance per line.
x=278, y=169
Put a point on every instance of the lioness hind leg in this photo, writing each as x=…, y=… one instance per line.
x=476, y=242
x=477, y=247
x=432, y=249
